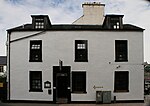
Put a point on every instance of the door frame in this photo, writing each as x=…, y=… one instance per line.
x=64, y=70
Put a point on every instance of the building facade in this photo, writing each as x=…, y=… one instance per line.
x=71, y=62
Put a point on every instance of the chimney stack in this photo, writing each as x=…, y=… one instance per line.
x=93, y=14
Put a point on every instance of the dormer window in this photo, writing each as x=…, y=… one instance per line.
x=113, y=22
x=39, y=23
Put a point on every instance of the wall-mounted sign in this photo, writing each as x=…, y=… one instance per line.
x=97, y=87
x=47, y=84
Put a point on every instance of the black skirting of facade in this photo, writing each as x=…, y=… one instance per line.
x=71, y=102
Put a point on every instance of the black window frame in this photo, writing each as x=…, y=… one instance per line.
x=33, y=77
x=79, y=82
x=121, y=50
x=35, y=49
x=81, y=50
x=121, y=81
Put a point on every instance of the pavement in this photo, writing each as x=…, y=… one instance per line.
x=46, y=104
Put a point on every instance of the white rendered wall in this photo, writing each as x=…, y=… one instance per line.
x=100, y=67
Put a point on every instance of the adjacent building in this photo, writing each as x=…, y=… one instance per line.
x=3, y=83
x=3, y=63
x=69, y=63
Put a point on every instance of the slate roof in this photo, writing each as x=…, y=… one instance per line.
x=70, y=27
x=3, y=60
x=28, y=27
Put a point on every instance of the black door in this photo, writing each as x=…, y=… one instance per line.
x=61, y=84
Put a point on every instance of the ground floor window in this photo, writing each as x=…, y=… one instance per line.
x=121, y=83
x=35, y=81
x=79, y=82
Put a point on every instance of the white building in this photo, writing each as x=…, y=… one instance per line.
x=70, y=63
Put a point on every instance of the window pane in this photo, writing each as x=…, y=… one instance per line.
x=79, y=82
x=81, y=50
x=115, y=23
x=35, y=81
x=36, y=51
x=39, y=24
x=121, y=50
x=121, y=81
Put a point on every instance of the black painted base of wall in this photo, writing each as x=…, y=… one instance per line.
x=129, y=101
x=119, y=101
x=28, y=101
x=72, y=102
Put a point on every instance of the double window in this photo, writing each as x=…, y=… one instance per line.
x=121, y=51
x=81, y=51
x=121, y=81
x=35, y=81
x=36, y=51
x=79, y=82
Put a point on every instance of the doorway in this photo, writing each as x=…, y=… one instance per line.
x=61, y=84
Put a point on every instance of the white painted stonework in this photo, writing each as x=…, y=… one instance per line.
x=99, y=69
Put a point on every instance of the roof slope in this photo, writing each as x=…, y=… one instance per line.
x=28, y=27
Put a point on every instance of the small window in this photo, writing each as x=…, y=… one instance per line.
x=81, y=50
x=1, y=68
x=35, y=81
x=114, y=22
x=36, y=51
x=121, y=81
x=79, y=82
x=81, y=46
x=39, y=23
x=121, y=51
